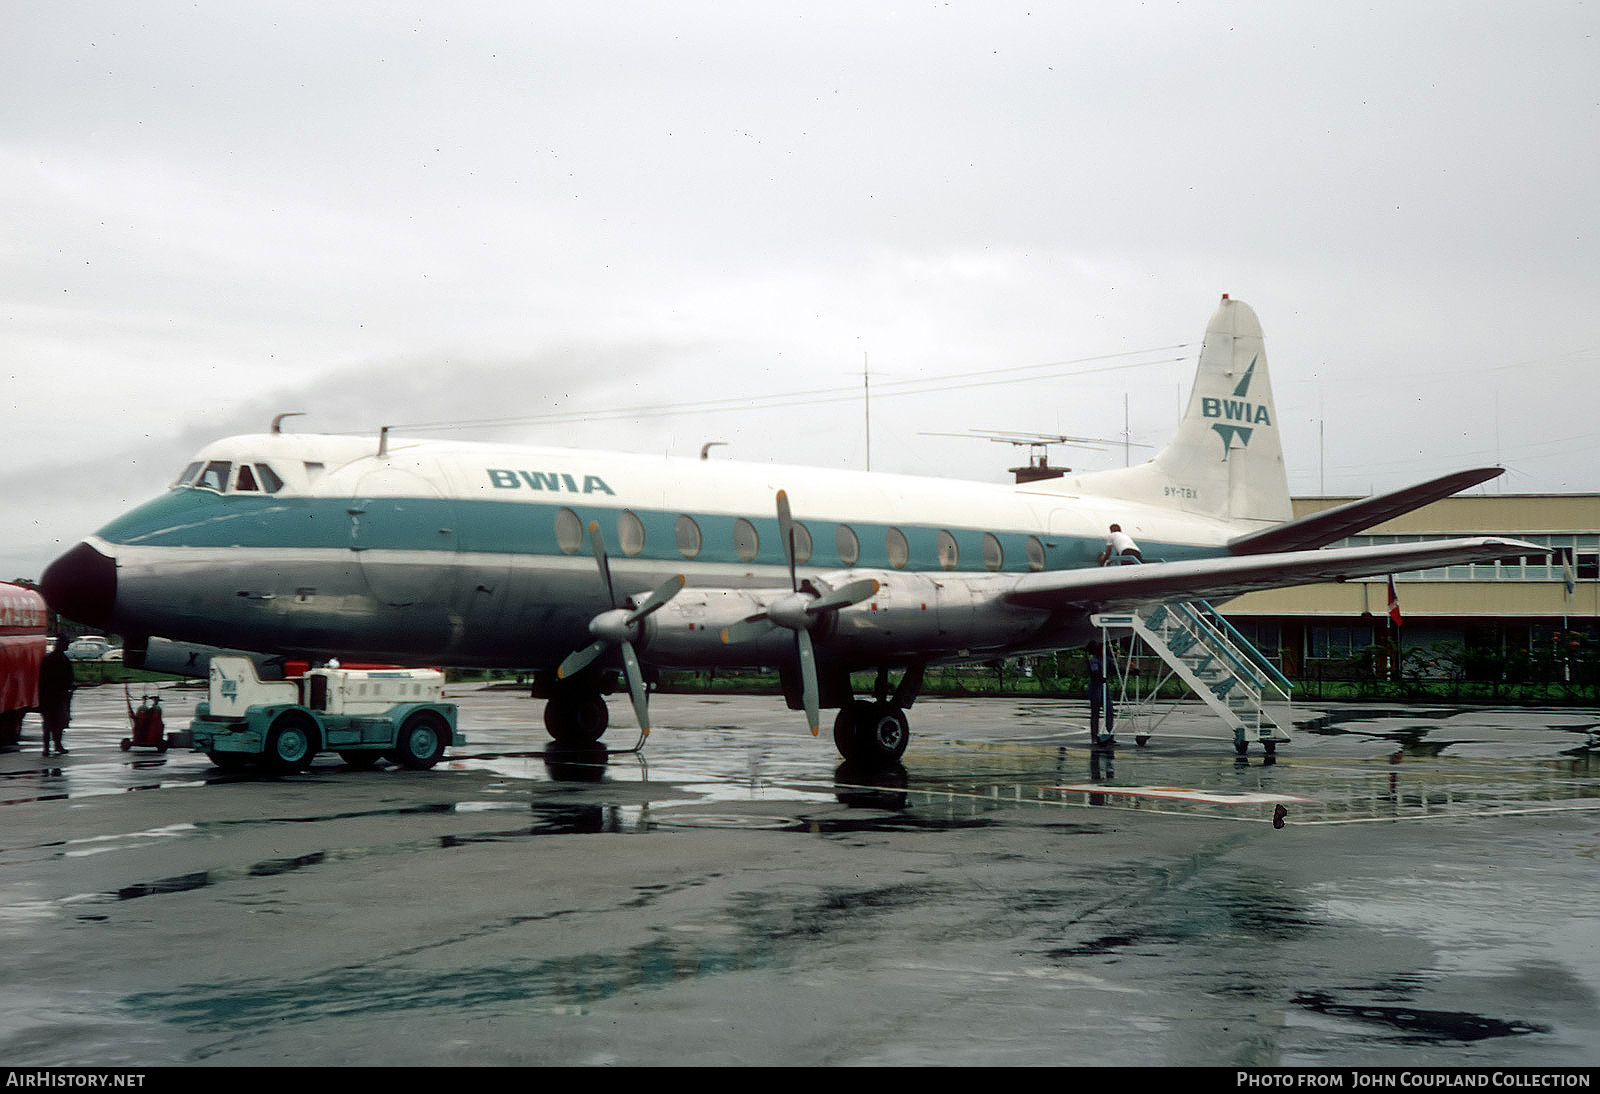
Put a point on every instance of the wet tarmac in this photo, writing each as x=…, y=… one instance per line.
x=1007, y=897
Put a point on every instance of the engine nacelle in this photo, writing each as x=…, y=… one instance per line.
x=912, y=617
x=687, y=630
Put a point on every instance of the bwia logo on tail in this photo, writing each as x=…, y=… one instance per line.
x=1239, y=417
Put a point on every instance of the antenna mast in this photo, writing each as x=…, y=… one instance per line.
x=866, y=388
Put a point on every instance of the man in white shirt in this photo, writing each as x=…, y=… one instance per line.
x=1120, y=545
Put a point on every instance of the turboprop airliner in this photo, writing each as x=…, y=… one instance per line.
x=577, y=564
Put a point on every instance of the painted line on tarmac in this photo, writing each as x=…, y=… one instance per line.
x=1184, y=793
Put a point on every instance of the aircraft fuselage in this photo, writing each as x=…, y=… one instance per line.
x=478, y=555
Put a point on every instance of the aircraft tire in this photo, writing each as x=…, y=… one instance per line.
x=228, y=761
x=291, y=744
x=844, y=730
x=576, y=721
x=422, y=741
x=360, y=760
x=871, y=733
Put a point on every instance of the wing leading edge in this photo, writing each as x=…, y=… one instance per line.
x=1121, y=588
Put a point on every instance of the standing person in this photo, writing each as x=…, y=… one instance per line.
x=1099, y=695
x=56, y=683
x=1120, y=545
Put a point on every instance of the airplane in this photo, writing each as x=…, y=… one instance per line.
x=580, y=564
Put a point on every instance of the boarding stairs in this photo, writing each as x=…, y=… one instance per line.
x=1218, y=664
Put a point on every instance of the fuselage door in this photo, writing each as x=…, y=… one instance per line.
x=400, y=526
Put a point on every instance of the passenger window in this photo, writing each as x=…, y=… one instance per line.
x=630, y=532
x=1035, y=552
x=849, y=547
x=745, y=541
x=894, y=541
x=949, y=553
x=569, y=532
x=994, y=556
x=802, y=543
x=688, y=533
x=215, y=476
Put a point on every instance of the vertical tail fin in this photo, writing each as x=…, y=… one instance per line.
x=1226, y=459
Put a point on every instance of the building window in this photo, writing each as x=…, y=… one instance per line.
x=1337, y=643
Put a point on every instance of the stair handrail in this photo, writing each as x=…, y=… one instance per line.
x=1247, y=647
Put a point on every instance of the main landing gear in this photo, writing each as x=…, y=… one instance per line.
x=876, y=731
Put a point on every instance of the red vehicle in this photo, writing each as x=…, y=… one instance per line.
x=23, y=620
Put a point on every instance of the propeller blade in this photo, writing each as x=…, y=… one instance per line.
x=636, y=689
x=747, y=629
x=600, y=556
x=663, y=593
x=786, y=533
x=844, y=596
x=808, y=681
x=578, y=660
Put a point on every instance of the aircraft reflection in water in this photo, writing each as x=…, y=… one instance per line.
x=493, y=556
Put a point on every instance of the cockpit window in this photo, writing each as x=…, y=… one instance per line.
x=220, y=475
x=215, y=476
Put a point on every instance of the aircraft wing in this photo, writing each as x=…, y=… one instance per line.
x=1121, y=588
x=1320, y=529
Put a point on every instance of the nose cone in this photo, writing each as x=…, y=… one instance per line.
x=82, y=585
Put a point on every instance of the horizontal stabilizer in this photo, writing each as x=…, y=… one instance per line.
x=1123, y=588
x=1320, y=529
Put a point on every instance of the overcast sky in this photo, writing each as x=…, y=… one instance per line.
x=711, y=217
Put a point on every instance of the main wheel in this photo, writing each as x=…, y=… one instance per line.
x=884, y=735
x=291, y=743
x=874, y=733
x=576, y=719
x=423, y=739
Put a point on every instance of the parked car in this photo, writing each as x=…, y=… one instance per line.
x=89, y=647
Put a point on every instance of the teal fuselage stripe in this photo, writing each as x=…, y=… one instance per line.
x=202, y=519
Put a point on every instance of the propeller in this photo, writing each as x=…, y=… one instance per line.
x=800, y=610
x=619, y=627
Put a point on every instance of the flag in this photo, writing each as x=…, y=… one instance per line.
x=1394, y=603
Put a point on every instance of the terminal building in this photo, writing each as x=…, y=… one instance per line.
x=1536, y=608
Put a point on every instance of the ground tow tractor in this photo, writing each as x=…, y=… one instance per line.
x=364, y=715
